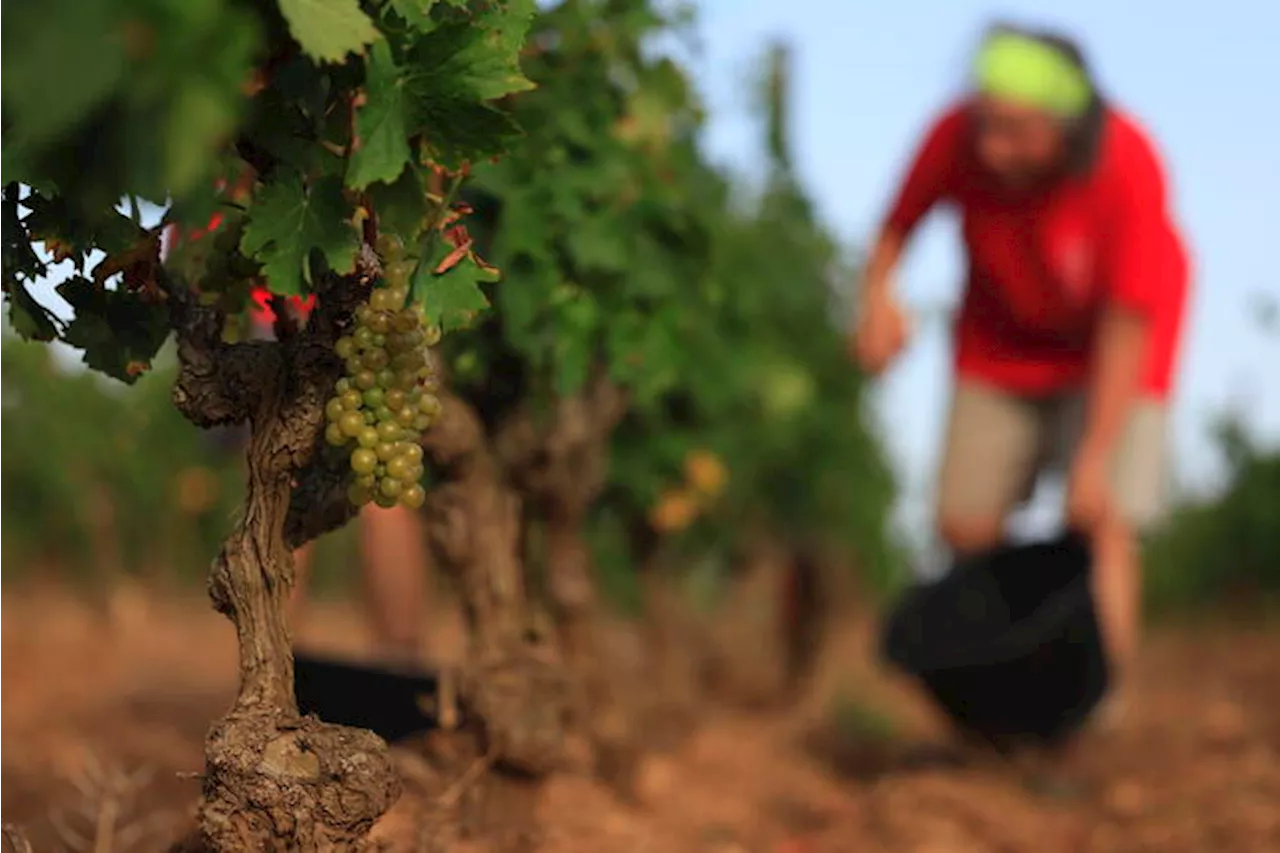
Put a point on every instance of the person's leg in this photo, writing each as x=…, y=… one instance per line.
x=1138, y=484
x=991, y=454
x=395, y=552
x=1138, y=489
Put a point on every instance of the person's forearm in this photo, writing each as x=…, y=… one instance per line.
x=1119, y=356
x=877, y=275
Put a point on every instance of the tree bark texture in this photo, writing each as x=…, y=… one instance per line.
x=512, y=681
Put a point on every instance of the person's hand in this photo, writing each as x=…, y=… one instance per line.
x=881, y=333
x=1088, y=490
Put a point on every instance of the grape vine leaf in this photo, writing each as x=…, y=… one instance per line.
x=416, y=12
x=453, y=299
x=288, y=221
x=119, y=331
x=451, y=73
x=31, y=320
x=381, y=132
x=486, y=64
x=329, y=29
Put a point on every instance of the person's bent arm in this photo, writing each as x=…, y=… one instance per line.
x=877, y=275
x=1138, y=270
x=1119, y=357
x=880, y=325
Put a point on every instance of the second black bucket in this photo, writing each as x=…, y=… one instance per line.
x=1007, y=642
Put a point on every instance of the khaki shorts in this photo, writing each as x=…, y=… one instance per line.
x=999, y=444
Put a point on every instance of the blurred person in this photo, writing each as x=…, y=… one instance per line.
x=392, y=546
x=1067, y=339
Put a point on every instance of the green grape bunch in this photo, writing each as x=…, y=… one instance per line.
x=386, y=398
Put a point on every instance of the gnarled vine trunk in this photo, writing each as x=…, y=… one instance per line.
x=561, y=466
x=273, y=779
x=513, y=681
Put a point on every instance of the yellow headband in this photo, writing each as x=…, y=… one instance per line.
x=1022, y=69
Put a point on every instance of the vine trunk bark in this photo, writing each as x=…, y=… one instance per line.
x=513, y=680
x=274, y=780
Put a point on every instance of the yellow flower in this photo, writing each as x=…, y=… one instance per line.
x=705, y=472
x=674, y=511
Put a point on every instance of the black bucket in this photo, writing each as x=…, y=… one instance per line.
x=393, y=703
x=1007, y=642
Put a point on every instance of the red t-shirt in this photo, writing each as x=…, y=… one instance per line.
x=1041, y=265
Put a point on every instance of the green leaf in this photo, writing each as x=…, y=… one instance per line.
x=400, y=205
x=416, y=12
x=290, y=220
x=381, y=125
x=20, y=260
x=329, y=29
x=120, y=332
x=452, y=72
x=452, y=299
x=61, y=60
x=575, y=342
x=487, y=65
x=29, y=318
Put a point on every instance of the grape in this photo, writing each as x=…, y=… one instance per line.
x=406, y=322
x=390, y=247
x=351, y=423
x=400, y=468
x=363, y=460
x=397, y=274
x=396, y=399
x=430, y=405
x=384, y=400
x=413, y=497
x=368, y=437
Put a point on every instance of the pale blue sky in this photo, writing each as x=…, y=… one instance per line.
x=867, y=75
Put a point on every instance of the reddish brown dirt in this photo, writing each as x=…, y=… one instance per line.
x=88, y=692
